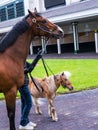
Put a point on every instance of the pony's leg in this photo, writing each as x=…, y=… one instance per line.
x=37, y=108
x=51, y=111
x=10, y=98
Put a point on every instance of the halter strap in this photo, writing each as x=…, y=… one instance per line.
x=45, y=29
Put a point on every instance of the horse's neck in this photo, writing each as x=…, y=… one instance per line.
x=57, y=82
x=52, y=83
x=20, y=49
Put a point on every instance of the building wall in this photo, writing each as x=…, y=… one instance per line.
x=68, y=2
x=31, y=4
x=40, y=4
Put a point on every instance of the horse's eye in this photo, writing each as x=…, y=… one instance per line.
x=44, y=21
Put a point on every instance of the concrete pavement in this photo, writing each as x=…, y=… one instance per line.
x=76, y=111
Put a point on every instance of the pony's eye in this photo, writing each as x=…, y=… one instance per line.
x=44, y=21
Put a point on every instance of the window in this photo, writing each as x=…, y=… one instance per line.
x=53, y=3
x=12, y=10
x=19, y=9
x=3, y=14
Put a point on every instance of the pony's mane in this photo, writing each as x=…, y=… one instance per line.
x=10, y=38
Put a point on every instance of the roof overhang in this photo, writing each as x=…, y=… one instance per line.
x=4, y=30
x=81, y=16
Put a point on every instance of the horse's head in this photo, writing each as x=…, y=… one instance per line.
x=65, y=82
x=43, y=27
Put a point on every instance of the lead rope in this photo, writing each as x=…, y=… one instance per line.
x=44, y=63
x=44, y=67
x=34, y=81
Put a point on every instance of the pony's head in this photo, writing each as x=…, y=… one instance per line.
x=43, y=27
x=65, y=82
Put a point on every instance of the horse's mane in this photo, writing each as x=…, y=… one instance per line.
x=10, y=38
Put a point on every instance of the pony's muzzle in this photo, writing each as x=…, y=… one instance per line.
x=71, y=88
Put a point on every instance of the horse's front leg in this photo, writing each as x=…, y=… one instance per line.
x=10, y=98
x=51, y=110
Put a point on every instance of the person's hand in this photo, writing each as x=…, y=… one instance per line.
x=26, y=70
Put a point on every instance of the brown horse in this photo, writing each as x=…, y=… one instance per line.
x=14, y=49
x=50, y=85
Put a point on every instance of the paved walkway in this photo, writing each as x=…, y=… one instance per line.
x=76, y=111
x=87, y=55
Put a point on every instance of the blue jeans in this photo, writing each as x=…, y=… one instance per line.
x=26, y=104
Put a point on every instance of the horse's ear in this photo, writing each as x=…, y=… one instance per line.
x=35, y=10
x=30, y=13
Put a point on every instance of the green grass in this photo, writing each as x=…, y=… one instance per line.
x=84, y=72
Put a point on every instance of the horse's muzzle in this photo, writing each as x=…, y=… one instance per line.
x=59, y=35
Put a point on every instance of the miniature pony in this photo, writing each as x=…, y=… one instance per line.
x=47, y=89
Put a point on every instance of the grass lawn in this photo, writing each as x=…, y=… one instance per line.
x=84, y=72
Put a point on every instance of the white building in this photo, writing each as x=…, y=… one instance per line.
x=78, y=18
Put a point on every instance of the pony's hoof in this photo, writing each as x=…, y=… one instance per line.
x=39, y=113
x=50, y=115
x=55, y=119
